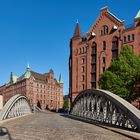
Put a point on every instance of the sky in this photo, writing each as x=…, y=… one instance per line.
x=38, y=32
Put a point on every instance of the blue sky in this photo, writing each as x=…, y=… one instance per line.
x=38, y=32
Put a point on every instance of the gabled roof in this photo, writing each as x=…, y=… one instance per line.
x=114, y=16
x=38, y=76
x=105, y=12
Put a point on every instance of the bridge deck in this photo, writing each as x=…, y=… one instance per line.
x=52, y=126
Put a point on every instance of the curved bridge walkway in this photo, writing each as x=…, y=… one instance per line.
x=54, y=126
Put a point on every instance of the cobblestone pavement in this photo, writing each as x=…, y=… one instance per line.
x=53, y=126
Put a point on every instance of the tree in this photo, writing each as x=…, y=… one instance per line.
x=66, y=104
x=123, y=76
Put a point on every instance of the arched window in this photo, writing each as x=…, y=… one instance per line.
x=115, y=47
x=133, y=37
x=124, y=39
x=104, y=30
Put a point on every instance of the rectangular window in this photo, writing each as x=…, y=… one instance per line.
x=104, y=46
x=103, y=69
x=83, y=86
x=93, y=85
x=83, y=77
x=93, y=77
x=124, y=39
x=93, y=50
x=114, y=54
x=83, y=60
x=93, y=59
x=103, y=60
x=82, y=69
x=82, y=50
x=128, y=37
x=93, y=68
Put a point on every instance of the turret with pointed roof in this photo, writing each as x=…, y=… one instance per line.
x=28, y=73
x=11, y=77
x=77, y=31
x=60, y=79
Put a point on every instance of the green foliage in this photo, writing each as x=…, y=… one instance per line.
x=66, y=104
x=122, y=75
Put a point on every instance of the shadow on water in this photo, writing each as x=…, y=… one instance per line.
x=4, y=132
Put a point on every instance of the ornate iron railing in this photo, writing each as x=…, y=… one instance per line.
x=106, y=107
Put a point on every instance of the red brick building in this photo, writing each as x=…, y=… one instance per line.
x=42, y=90
x=91, y=54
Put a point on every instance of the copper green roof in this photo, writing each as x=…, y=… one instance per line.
x=60, y=79
x=28, y=66
x=138, y=15
x=27, y=74
x=14, y=78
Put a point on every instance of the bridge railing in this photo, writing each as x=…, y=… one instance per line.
x=107, y=108
x=16, y=106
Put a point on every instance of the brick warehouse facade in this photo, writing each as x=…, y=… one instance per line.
x=42, y=90
x=92, y=54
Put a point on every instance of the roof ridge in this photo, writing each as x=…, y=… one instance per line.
x=36, y=72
